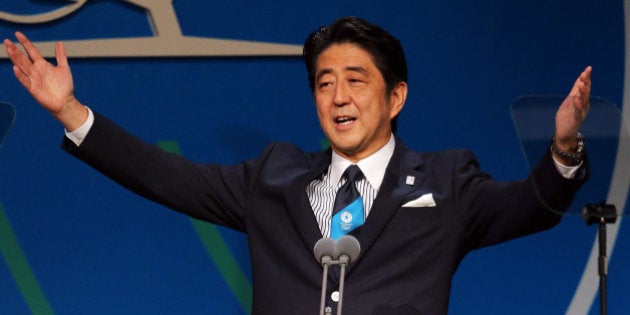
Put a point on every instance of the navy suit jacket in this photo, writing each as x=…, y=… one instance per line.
x=409, y=255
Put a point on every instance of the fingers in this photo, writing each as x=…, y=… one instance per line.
x=585, y=87
x=585, y=77
x=19, y=60
x=583, y=82
x=21, y=77
x=581, y=90
x=60, y=54
x=30, y=49
x=8, y=45
x=11, y=49
x=23, y=61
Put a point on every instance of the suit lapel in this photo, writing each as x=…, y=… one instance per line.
x=394, y=191
x=298, y=205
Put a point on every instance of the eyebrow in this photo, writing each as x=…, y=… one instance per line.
x=322, y=72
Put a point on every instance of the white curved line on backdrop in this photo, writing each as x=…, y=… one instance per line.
x=588, y=287
x=43, y=17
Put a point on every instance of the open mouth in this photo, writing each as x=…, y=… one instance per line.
x=344, y=120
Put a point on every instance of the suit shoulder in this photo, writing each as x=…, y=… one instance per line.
x=283, y=149
x=287, y=155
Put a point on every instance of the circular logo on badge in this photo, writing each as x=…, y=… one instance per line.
x=346, y=217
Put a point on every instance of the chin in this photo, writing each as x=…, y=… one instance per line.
x=346, y=150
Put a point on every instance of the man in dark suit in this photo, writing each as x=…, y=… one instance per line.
x=423, y=212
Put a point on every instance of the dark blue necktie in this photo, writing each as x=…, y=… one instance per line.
x=348, y=210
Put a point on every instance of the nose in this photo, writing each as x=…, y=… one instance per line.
x=342, y=95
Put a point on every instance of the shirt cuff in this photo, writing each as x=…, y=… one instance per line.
x=80, y=133
x=567, y=172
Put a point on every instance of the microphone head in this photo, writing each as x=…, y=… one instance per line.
x=347, y=245
x=324, y=247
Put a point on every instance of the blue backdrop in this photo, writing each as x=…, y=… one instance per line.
x=75, y=243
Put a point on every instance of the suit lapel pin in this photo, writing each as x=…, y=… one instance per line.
x=410, y=180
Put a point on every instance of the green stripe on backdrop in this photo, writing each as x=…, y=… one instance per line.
x=20, y=268
x=219, y=252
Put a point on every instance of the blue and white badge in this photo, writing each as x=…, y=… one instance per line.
x=346, y=220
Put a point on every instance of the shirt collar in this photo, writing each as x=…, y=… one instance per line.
x=373, y=167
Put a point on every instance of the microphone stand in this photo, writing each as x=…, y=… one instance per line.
x=602, y=214
x=326, y=261
x=343, y=262
x=328, y=253
x=324, y=252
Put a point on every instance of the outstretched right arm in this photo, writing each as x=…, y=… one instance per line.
x=50, y=85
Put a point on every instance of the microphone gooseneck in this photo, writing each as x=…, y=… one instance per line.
x=342, y=252
x=323, y=250
x=349, y=247
x=346, y=251
x=325, y=247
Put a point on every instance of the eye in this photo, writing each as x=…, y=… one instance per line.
x=325, y=85
x=355, y=81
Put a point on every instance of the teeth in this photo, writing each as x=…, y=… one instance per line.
x=343, y=120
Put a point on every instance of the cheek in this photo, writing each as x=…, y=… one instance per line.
x=322, y=105
x=320, y=110
x=376, y=115
x=322, y=114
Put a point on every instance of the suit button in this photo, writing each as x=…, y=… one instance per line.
x=335, y=296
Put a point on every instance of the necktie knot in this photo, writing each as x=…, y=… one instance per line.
x=353, y=173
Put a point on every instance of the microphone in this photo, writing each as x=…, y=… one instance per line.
x=323, y=250
x=346, y=251
x=342, y=252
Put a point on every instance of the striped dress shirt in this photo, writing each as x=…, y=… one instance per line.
x=322, y=191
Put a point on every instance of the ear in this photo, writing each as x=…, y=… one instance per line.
x=397, y=98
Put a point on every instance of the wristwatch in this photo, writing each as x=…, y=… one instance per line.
x=573, y=157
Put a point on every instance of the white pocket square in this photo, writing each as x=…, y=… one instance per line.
x=425, y=200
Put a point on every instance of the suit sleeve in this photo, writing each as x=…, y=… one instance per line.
x=492, y=211
x=208, y=192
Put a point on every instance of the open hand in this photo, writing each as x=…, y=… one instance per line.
x=573, y=110
x=51, y=86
